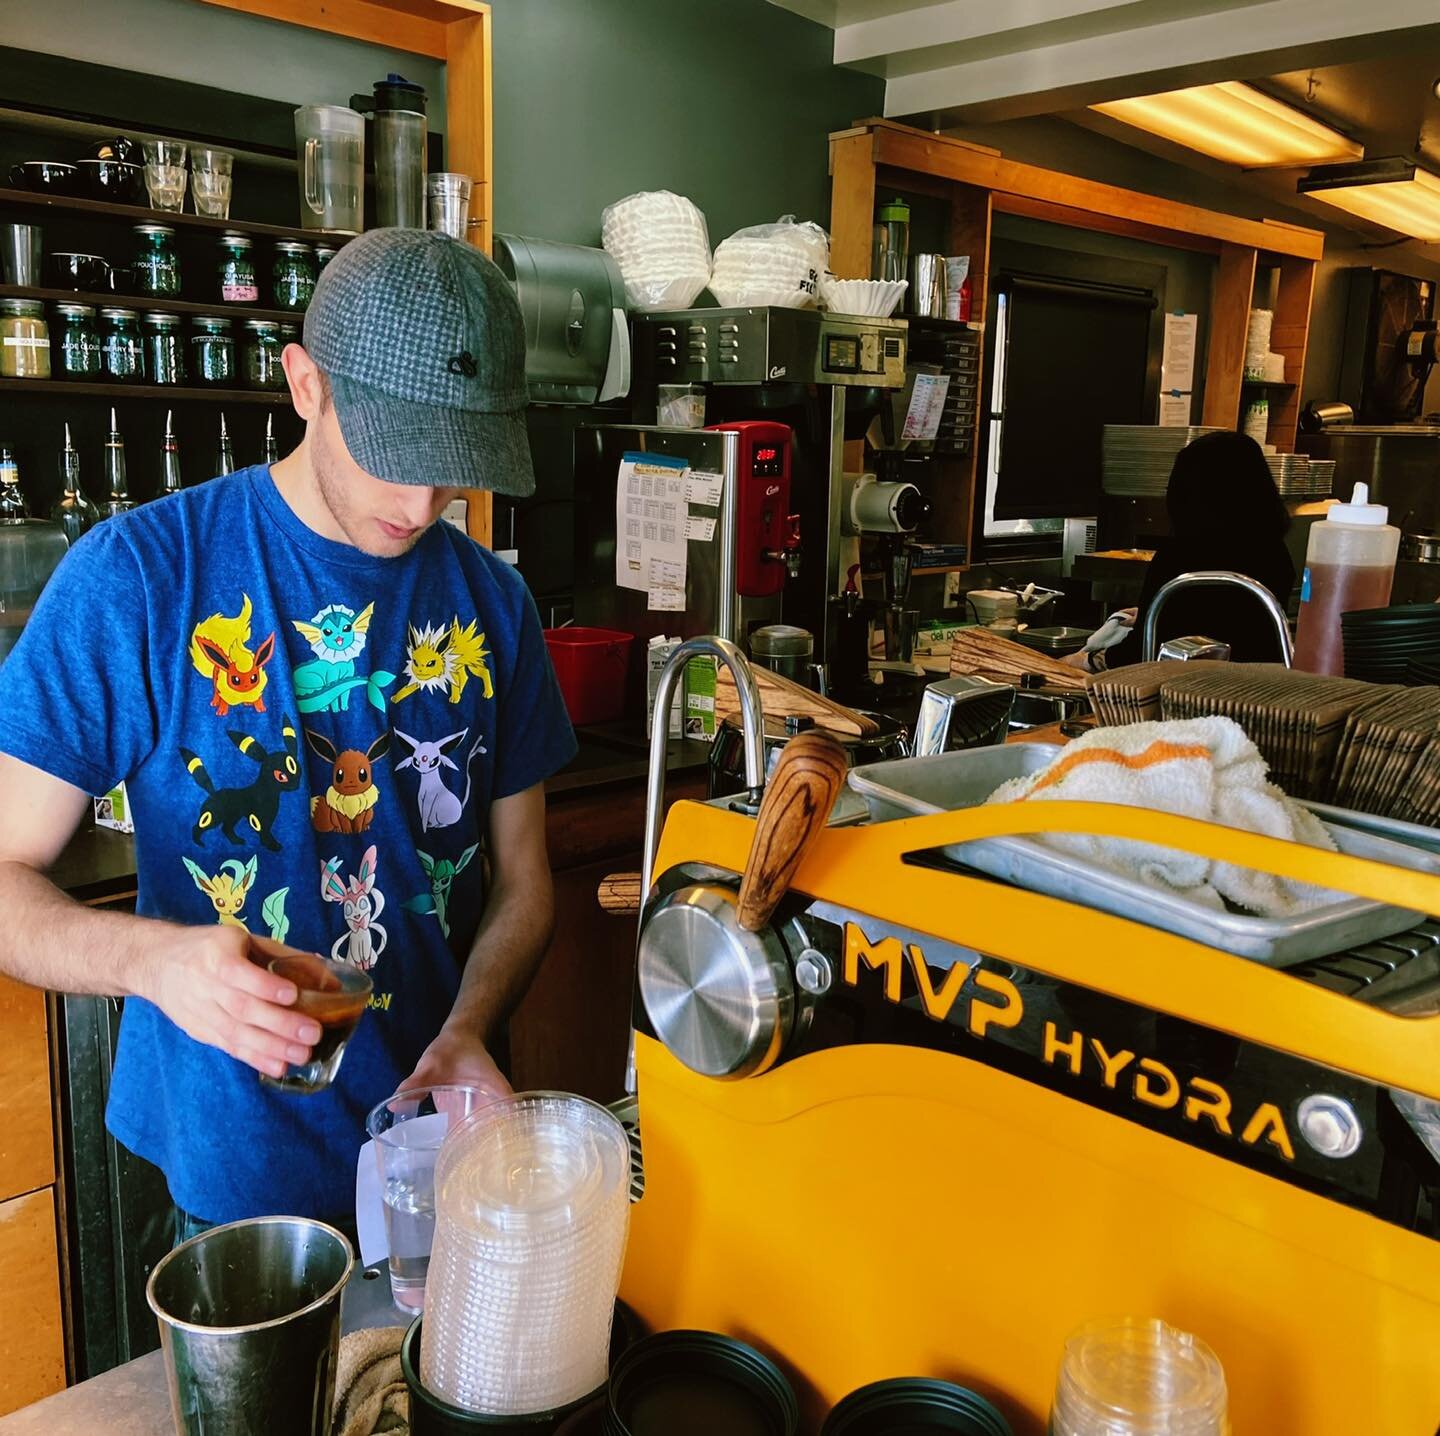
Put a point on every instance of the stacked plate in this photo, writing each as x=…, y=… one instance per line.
x=1382, y=643
x=776, y=264
x=874, y=297
x=532, y=1208
x=1137, y=458
x=1291, y=473
x=914, y=1404
x=1322, y=478
x=662, y=246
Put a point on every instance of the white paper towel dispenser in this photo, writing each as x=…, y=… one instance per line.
x=577, y=338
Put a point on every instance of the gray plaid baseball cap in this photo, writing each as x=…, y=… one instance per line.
x=422, y=340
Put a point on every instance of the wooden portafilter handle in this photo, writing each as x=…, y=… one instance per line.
x=798, y=797
x=619, y=894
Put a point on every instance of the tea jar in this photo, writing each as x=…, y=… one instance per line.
x=164, y=352
x=261, y=359
x=75, y=354
x=212, y=351
x=24, y=340
x=292, y=280
x=156, y=270
x=237, y=270
x=121, y=347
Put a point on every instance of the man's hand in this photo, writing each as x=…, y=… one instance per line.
x=457, y=1056
x=211, y=982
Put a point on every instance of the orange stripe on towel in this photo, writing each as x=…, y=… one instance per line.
x=1159, y=751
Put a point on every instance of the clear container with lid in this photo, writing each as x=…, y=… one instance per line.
x=156, y=270
x=122, y=348
x=260, y=359
x=24, y=340
x=1139, y=1376
x=890, y=253
x=75, y=352
x=237, y=270
x=292, y=280
x=212, y=351
x=164, y=351
x=1349, y=565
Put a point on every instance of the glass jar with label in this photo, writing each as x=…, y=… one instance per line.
x=261, y=359
x=121, y=347
x=75, y=354
x=293, y=277
x=237, y=271
x=164, y=351
x=24, y=340
x=212, y=352
x=156, y=270
x=324, y=253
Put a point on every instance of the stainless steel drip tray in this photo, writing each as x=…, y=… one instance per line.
x=911, y=787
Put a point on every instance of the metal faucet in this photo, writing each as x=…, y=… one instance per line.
x=752, y=733
x=1216, y=578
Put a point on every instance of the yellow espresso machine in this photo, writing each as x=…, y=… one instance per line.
x=899, y=1119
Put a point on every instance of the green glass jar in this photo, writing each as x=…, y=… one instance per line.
x=164, y=352
x=324, y=253
x=122, y=350
x=212, y=352
x=261, y=362
x=237, y=271
x=293, y=277
x=78, y=347
x=156, y=271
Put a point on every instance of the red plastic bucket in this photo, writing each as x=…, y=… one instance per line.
x=590, y=664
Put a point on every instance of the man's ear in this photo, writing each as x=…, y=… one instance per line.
x=307, y=388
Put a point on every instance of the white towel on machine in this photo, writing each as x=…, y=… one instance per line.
x=1198, y=768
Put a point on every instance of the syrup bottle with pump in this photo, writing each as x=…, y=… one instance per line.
x=1349, y=564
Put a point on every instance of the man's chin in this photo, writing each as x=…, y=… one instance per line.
x=379, y=543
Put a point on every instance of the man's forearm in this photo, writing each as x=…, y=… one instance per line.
x=504, y=957
x=49, y=940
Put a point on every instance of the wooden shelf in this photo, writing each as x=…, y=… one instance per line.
x=942, y=568
x=1266, y=384
x=142, y=214
x=118, y=393
x=145, y=302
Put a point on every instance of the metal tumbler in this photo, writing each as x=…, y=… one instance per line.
x=249, y=1318
x=448, y=202
x=20, y=250
x=926, y=295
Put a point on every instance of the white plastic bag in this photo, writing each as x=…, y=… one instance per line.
x=662, y=245
x=777, y=264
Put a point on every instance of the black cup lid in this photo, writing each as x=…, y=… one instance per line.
x=914, y=1406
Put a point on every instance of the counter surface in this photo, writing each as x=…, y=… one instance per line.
x=133, y=1400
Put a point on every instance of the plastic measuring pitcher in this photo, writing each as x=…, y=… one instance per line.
x=1349, y=565
x=330, y=161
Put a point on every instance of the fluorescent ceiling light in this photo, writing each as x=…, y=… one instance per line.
x=1234, y=123
x=1393, y=192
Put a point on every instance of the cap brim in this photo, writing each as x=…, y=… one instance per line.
x=437, y=446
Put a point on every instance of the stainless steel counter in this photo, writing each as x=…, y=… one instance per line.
x=133, y=1400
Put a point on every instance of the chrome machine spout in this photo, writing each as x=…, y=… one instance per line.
x=1216, y=578
x=752, y=727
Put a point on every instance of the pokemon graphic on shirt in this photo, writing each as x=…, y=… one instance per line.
x=228, y=888
x=439, y=807
x=256, y=803
x=336, y=636
x=348, y=804
x=361, y=902
x=219, y=652
x=442, y=874
x=443, y=660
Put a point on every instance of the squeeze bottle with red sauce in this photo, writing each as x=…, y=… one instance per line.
x=1349, y=564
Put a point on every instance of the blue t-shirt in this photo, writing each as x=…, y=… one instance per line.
x=311, y=739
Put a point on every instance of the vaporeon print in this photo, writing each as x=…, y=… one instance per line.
x=443, y=660
x=336, y=636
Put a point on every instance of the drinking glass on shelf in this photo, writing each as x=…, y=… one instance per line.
x=408, y=1129
x=210, y=173
x=165, y=174
x=449, y=202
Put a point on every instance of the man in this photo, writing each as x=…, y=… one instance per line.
x=334, y=715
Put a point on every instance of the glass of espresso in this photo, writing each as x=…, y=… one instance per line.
x=334, y=994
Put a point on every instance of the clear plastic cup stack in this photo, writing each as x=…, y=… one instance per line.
x=1138, y=1376
x=532, y=1208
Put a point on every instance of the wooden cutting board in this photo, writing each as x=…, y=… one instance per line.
x=784, y=698
x=976, y=651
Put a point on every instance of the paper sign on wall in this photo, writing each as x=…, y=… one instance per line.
x=1177, y=369
x=650, y=516
x=700, y=529
x=704, y=489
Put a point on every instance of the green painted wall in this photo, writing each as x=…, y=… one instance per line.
x=726, y=101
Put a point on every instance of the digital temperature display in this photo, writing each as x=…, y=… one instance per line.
x=766, y=461
x=766, y=453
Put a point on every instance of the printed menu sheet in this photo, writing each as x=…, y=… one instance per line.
x=650, y=518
